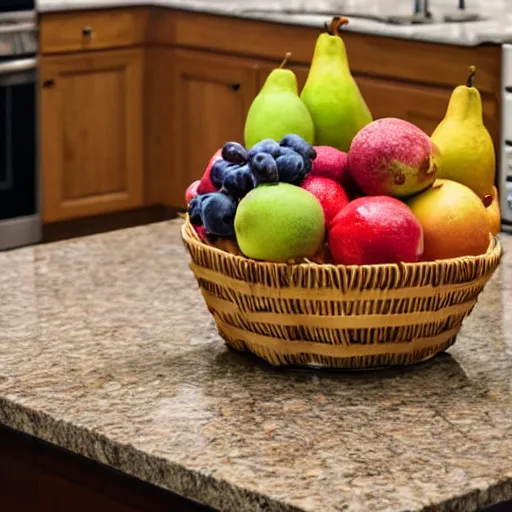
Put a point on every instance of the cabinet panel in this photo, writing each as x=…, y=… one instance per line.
x=212, y=95
x=423, y=106
x=91, y=108
x=158, y=124
x=375, y=55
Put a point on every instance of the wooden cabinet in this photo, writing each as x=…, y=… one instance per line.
x=212, y=95
x=423, y=106
x=91, y=116
x=134, y=101
x=38, y=477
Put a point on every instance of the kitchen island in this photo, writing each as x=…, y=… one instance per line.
x=108, y=352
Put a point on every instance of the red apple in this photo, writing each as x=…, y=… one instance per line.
x=392, y=157
x=329, y=194
x=373, y=230
x=201, y=232
x=333, y=163
x=191, y=191
x=205, y=185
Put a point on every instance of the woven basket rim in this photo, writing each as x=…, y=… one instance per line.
x=191, y=238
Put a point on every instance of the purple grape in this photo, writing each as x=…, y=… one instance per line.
x=219, y=214
x=299, y=145
x=291, y=168
x=234, y=153
x=264, y=168
x=195, y=209
x=264, y=146
x=239, y=182
x=219, y=171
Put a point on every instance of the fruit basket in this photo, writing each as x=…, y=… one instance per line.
x=349, y=317
x=331, y=239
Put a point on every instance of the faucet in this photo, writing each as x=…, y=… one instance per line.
x=421, y=9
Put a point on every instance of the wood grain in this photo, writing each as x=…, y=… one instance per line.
x=212, y=95
x=92, y=157
x=159, y=141
x=111, y=28
x=416, y=61
x=423, y=106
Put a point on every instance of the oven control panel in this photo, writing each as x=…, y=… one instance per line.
x=18, y=43
x=18, y=34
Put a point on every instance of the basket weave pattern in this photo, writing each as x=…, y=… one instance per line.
x=338, y=316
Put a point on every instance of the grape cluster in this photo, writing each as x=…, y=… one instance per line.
x=239, y=171
x=293, y=157
x=215, y=211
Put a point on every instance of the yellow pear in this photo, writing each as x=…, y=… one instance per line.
x=467, y=151
x=494, y=213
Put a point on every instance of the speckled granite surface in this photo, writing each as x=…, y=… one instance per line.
x=495, y=28
x=106, y=349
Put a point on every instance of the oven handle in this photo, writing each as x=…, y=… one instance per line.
x=17, y=66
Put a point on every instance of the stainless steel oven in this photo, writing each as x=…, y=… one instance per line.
x=20, y=219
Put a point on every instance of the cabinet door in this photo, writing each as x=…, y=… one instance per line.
x=421, y=105
x=212, y=95
x=91, y=118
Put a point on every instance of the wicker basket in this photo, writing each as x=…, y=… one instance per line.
x=338, y=316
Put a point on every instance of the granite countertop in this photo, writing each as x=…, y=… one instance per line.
x=496, y=28
x=107, y=350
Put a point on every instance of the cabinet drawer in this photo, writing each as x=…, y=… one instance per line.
x=91, y=30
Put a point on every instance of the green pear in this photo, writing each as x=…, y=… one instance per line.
x=277, y=110
x=466, y=148
x=331, y=93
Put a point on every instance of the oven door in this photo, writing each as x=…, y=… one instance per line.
x=19, y=180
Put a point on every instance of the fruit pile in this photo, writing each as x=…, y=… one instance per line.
x=319, y=180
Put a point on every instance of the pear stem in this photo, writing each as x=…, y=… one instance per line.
x=285, y=61
x=334, y=27
x=471, y=76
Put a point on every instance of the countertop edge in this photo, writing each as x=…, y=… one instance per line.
x=193, y=485
x=151, y=469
